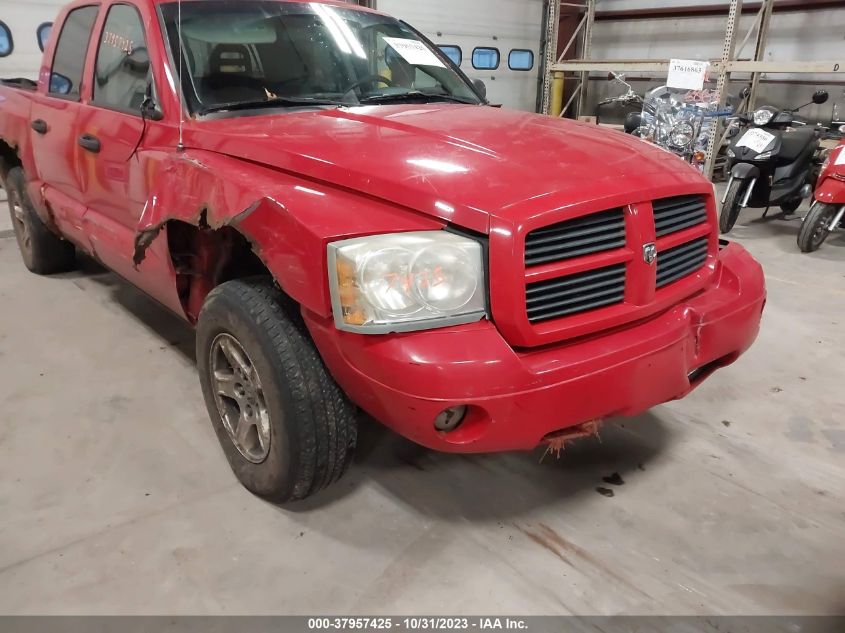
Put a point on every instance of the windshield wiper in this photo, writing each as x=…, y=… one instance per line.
x=275, y=102
x=415, y=95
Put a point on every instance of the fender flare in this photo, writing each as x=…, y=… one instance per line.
x=745, y=171
x=831, y=191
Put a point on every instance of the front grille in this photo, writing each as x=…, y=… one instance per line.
x=574, y=238
x=577, y=293
x=676, y=214
x=680, y=261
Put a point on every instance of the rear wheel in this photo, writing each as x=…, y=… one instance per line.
x=43, y=252
x=286, y=428
x=732, y=206
x=816, y=227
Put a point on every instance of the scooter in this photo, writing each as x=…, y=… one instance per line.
x=826, y=214
x=772, y=163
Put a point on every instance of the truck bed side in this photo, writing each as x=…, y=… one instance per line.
x=16, y=97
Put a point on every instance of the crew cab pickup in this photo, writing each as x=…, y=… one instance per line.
x=349, y=225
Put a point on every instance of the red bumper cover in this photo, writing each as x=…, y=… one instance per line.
x=517, y=397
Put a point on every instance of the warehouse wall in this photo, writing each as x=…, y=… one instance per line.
x=23, y=18
x=793, y=36
x=502, y=24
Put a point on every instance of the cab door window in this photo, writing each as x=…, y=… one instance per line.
x=69, y=60
x=122, y=75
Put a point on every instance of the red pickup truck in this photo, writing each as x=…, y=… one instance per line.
x=348, y=223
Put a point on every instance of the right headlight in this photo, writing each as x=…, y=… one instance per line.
x=763, y=116
x=406, y=281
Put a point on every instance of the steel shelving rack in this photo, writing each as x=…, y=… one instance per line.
x=722, y=67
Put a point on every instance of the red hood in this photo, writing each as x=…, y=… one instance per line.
x=459, y=163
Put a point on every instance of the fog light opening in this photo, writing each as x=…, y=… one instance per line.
x=450, y=419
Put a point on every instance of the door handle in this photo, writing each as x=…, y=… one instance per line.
x=40, y=126
x=90, y=143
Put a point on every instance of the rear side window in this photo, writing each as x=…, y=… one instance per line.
x=69, y=61
x=454, y=53
x=486, y=58
x=123, y=61
x=521, y=59
x=43, y=34
x=6, y=43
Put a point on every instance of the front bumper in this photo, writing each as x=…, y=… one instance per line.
x=518, y=397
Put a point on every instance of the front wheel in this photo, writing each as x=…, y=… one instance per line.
x=286, y=428
x=732, y=206
x=816, y=227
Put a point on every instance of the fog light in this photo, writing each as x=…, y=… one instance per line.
x=450, y=419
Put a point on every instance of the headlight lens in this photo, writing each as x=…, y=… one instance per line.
x=681, y=135
x=763, y=116
x=406, y=281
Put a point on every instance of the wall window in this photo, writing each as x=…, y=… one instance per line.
x=43, y=34
x=69, y=61
x=122, y=75
x=520, y=59
x=7, y=45
x=485, y=58
x=453, y=52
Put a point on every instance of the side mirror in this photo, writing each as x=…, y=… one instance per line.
x=480, y=88
x=60, y=84
x=820, y=97
x=149, y=108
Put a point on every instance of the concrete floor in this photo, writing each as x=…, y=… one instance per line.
x=116, y=499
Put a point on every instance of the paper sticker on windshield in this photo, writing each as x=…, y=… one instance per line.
x=756, y=139
x=414, y=52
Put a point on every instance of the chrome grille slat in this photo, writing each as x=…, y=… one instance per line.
x=681, y=261
x=576, y=293
x=585, y=235
x=676, y=214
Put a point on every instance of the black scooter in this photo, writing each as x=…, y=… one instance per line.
x=771, y=163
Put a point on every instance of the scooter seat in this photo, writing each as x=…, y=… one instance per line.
x=796, y=142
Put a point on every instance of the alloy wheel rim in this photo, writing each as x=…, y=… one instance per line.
x=19, y=220
x=240, y=400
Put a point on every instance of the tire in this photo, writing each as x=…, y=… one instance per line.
x=731, y=207
x=43, y=252
x=816, y=227
x=302, y=430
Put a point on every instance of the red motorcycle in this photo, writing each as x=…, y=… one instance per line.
x=826, y=213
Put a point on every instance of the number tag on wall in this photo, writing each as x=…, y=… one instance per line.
x=687, y=74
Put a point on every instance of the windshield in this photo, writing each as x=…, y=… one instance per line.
x=255, y=53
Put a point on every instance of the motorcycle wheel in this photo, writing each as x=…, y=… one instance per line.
x=731, y=207
x=816, y=227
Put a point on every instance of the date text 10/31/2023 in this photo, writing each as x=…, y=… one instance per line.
x=416, y=624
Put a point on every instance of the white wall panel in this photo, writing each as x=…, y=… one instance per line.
x=502, y=24
x=23, y=18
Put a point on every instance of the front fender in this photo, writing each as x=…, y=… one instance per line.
x=831, y=191
x=745, y=171
x=288, y=221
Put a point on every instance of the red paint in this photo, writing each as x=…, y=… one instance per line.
x=831, y=186
x=292, y=183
